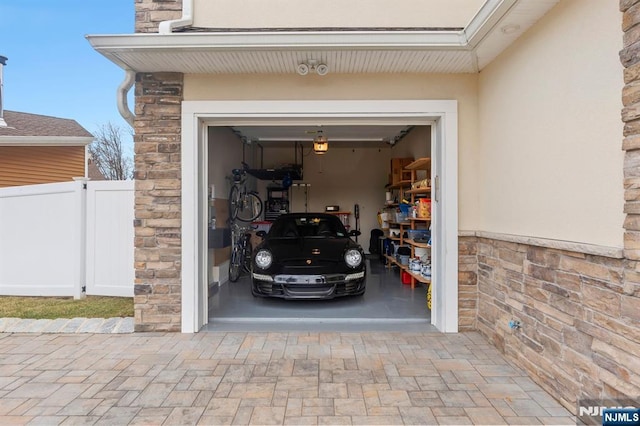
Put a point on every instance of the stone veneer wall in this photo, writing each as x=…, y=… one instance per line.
x=157, y=143
x=579, y=336
x=149, y=13
x=467, y=283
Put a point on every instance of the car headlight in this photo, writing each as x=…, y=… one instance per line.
x=353, y=258
x=263, y=259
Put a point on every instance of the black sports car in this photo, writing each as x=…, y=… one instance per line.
x=308, y=256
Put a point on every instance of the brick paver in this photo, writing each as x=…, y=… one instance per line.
x=73, y=325
x=265, y=378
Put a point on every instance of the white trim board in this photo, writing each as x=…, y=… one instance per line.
x=442, y=115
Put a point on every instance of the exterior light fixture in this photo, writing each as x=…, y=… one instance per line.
x=303, y=69
x=320, y=144
x=312, y=65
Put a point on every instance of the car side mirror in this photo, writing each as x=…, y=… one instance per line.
x=261, y=234
x=355, y=233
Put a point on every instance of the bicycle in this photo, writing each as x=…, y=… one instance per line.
x=245, y=206
x=241, y=251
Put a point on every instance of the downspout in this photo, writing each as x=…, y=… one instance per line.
x=123, y=89
x=165, y=27
x=3, y=62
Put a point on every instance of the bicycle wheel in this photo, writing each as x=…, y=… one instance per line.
x=248, y=207
x=234, y=202
x=234, y=265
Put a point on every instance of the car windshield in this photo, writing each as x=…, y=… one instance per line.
x=321, y=226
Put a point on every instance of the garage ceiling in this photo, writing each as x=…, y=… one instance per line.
x=344, y=136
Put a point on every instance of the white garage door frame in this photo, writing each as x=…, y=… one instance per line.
x=442, y=115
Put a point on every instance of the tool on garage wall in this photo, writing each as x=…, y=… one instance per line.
x=300, y=197
x=356, y=214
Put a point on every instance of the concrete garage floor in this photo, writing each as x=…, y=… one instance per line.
x=387, y=305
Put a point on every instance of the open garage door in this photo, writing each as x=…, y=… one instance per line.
x=347, y=178
x=198, y=116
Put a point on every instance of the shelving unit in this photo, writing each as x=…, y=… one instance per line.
x=425, y=165
x=405, y=189
x=277, y=203
x=344, y=218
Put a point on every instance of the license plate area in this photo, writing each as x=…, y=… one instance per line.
x=300, y=279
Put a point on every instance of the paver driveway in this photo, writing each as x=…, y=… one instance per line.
x=265, y=378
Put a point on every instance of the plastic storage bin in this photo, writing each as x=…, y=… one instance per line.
x=400, y=217
x=415, y=234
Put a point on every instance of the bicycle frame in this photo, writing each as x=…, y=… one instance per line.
x=240, y=252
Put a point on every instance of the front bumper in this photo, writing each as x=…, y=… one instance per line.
x=325, y=286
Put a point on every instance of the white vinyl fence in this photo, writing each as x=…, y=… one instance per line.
x=61, y=239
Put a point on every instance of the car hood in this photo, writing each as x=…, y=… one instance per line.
x=314, y=248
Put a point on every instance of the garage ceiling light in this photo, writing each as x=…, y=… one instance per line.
x=320, y=143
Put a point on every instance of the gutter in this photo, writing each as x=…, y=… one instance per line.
x=165, y=27
x=279, y=41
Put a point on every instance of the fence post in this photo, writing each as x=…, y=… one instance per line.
x=80, y=286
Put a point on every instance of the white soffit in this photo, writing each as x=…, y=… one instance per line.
x=522, y=16
x=496, y=25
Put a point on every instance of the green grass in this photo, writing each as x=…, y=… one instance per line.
x=65, y=307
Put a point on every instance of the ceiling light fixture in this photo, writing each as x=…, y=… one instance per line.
x=312, y=65
x=320, y=144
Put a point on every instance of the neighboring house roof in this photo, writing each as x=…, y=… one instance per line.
x=93, y=172
x=33, y=129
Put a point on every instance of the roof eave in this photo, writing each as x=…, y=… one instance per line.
x=117, y=47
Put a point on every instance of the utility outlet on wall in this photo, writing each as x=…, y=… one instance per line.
x=515, y=324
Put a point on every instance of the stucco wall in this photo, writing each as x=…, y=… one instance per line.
x=461, y=87
x=549, y=112
x=334, y=13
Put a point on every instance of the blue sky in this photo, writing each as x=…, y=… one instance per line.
x=51, y=67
